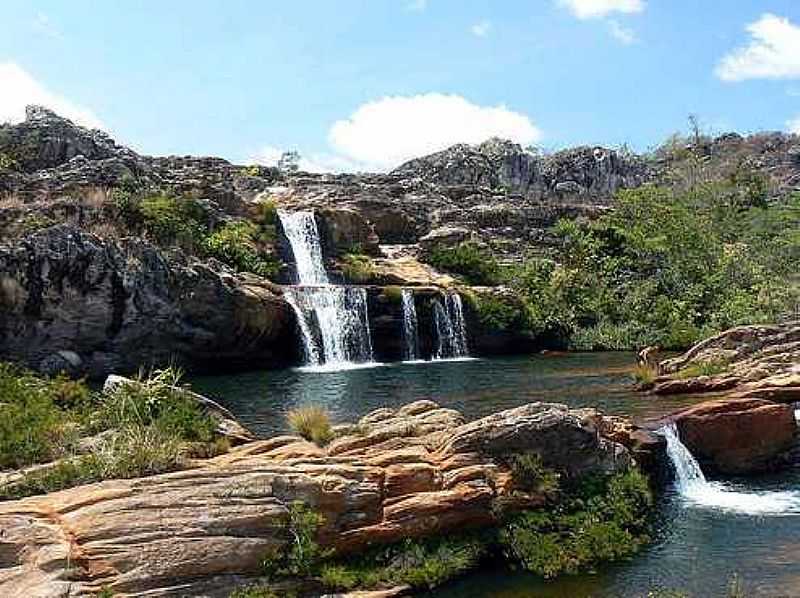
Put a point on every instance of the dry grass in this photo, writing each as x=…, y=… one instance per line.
x=312, y=422
x=645, y=374
x=104, y=230
x=95, y=197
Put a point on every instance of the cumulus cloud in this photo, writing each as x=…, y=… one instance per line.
x=622, y=34
x=793, y=125
x=481, y=29
x=385, y=133
x=20, y=89
x=772, y=53
x=592, y=9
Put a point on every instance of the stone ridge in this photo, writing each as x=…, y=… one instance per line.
x=413, y=472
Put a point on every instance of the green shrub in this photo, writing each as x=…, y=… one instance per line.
x=530, y=475
x=645, y=374
x=420, y=564
x=606, y=521
x=312, y=422
x=303, y=555
x=255, y=591
x=171, y=220
x=8, y=162
x=357, y=268
x=501, y=313
x=32, y=427
x=468, y=259
x=235, y=244
x=703, y=368
x=156, y=400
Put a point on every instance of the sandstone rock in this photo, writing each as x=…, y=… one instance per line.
x=199, y=532
x=737, y=436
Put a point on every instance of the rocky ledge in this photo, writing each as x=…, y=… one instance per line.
x=417, y=471
x=754, y=374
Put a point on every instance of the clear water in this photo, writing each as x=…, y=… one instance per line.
x=697, y=547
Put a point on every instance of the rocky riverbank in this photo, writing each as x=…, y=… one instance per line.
x=753, y=373
x=417, y=472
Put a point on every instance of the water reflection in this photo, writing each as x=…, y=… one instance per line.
x=475, y=387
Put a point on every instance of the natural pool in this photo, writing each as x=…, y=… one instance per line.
x=697, y=549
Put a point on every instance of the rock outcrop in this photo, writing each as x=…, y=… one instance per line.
x=412, y=472
x=737, y=436
x=71, y=301
x=759, y=361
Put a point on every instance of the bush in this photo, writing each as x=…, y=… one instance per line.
x=530, y=475
x=703, y=368
x=357, y=268
x=302, y=555
x=501, y=313
x=312, y=422
x=468, y=259
x=156, y=400
x=606, y=521
x=235, y=245
x=420, y=564
x=255, y=591
x=32, y=427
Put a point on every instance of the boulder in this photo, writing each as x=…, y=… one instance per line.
x=737, y=436
x=407, y=473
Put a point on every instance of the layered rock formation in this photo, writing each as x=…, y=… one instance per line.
x=72, y=301
x=407, y=473
x=756, y=371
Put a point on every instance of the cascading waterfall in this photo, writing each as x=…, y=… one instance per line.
x=691, y=484
x=410, y=327
x=451, y=330
x=333, y=319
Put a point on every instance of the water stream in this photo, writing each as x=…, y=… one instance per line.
x=410, y=328
x=451, y=330
x=333, y=319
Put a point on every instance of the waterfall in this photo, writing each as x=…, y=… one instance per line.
x=333, y=319
x=410, y=334
x=691, y=484
x=451, y=330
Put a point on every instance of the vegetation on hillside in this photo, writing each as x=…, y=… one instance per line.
x=668, y=266
x=78, y=436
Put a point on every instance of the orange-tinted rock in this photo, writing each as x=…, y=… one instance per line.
x=737, y=435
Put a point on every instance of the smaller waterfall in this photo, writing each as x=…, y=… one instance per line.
x=410, y=332
x=692, y=485
x=451, y=329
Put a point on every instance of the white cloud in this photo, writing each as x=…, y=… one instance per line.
x=772, y=53
x=20, y=89
x=416, y=5
x=385, y=133
x=481, y=29
x=624, y=35
x=592, y=9
x=793, y=125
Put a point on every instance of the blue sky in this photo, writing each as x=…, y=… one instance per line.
x=368, y=83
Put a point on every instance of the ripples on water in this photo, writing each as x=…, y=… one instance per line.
x=698, y=547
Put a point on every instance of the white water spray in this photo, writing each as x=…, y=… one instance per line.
x=451, y=330
x=333, y=319
x=410, y=327
x=699, y=492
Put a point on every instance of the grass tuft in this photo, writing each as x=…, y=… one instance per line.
x=312, y=422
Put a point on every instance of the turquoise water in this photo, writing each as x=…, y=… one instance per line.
x=696, y=550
